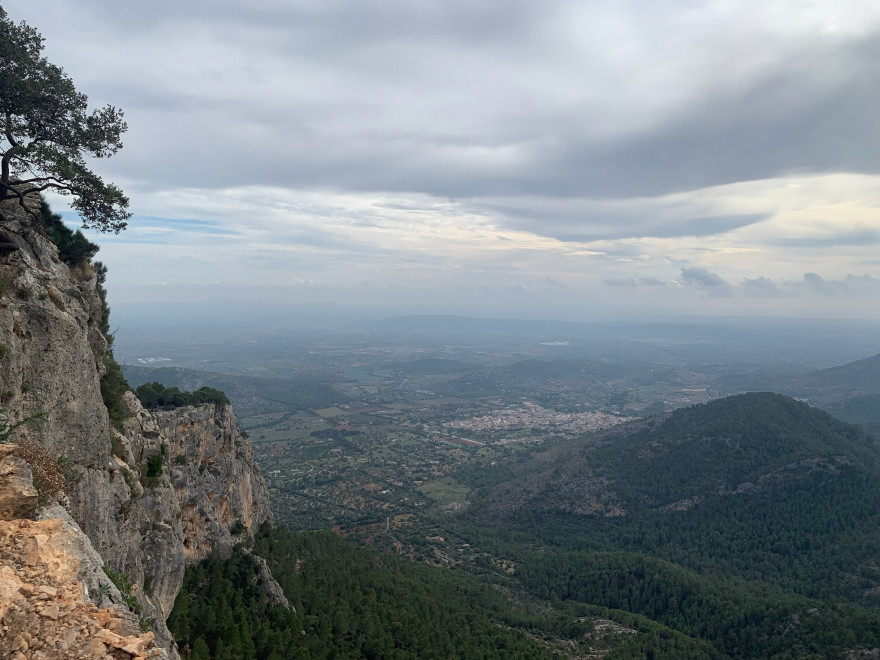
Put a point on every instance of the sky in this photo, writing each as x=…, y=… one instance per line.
x=533, y=159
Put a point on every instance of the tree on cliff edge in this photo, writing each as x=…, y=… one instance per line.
x=48, y=131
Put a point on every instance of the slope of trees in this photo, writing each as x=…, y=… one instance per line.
x=350, y=602
x=749, y=522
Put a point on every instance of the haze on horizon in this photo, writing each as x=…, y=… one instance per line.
x=555, y=160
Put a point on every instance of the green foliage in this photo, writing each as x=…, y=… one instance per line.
x=300, y=392
x=130, y=480
x=73, y=247
x=772, y=552
x=49, y=133
x=101, y=279
x=113, y=383
x=154, y=466
x=723, y=444
x=156, y=395
x=126, y=588
x=350, y=602
x=113, y=386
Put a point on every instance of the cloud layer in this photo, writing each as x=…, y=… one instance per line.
x=711, y=153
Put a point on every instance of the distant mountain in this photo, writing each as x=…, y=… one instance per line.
x=729, y=446
x=861, y=375
x=850, y=391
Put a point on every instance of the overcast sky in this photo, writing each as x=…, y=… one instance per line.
x=496, y=157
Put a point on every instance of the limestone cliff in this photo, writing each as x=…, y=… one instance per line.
x=218, y=485
x=147, y=503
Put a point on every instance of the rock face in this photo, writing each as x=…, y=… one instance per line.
x=146, y=497
x=56, y=601
x=221, y=493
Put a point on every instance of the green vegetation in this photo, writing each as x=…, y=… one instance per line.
x=743, y=528
x=113, y=386
x=113, y=383
x=247, y=392
x=352, y=602
x=73, y=247
x=49, y=132
x=126, y=588
x=156, y=395
x=724, y=443
x=154, y=466
x=770, y=548
x=130, y=480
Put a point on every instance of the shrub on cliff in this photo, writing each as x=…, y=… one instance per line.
x=156, y=395
x=73, y=247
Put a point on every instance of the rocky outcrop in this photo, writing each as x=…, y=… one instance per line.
x=222, y=495
x=18, y=497
x=55, y=599
x=51, y=344
x=147, y=502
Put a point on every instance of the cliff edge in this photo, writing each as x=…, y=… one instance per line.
x=147, y=494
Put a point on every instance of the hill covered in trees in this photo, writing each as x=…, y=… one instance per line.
x=353, y=602
x=748, y=522
x=741, y=528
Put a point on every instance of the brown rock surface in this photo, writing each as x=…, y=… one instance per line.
x=45, y=607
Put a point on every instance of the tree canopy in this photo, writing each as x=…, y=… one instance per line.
x=48, y=132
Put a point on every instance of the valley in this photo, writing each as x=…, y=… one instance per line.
x=559, y=472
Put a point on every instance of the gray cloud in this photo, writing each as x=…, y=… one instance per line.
x=851, y=285
x=858, y=236
x=812, y=284
x=576, y=121
x=587, y=220
x=635, y=282
x=712, y=283
x=761, y=287
x=463, y=99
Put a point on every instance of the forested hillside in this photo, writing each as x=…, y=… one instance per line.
x=749, y=522
x=741, y=528
x=352, y=602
